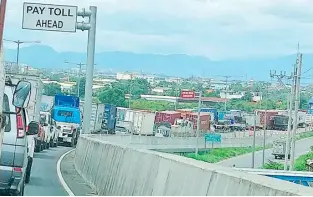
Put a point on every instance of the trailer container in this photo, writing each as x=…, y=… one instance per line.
x=213, y=111
x=109, y=120
x=167, y=116
x=143, y=123
x=250, y=120
x=129, y=115
x=120, y=113
x=204, y=120
x=268, y=114
x=97, y=115
x=47, y=103
x=34, y=105
x=184, y=112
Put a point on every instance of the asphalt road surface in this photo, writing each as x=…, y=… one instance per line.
x=244, y=161
x=44, y=180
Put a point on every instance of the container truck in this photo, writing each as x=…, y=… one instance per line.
x=268, y=114
x=279, y=149
x=143, y=123
x=204, y=120
x=164, y=121
x=97, y=114
x=109, y=120
x=213, y=111
x=47, y=103
x=66, y=113
x=280, y=122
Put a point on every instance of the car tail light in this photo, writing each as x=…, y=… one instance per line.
x=17, y=169
x=20, y=127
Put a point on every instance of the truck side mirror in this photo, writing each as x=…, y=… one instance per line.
x=33, y=128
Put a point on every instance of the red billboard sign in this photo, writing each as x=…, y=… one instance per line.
x=187, y=94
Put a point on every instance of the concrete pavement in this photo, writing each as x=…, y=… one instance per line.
x=244, y=161
x=44, y=180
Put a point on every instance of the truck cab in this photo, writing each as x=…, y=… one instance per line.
x=66, y=114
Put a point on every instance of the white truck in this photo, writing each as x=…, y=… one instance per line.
x=279, y=149
x=143, y=123
x=97, y=115
x=34, y=105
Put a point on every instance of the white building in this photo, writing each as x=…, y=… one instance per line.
x=124, y=76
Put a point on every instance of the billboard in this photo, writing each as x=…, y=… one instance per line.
x=187, y=94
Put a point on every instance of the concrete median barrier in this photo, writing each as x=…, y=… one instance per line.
x=113, y=169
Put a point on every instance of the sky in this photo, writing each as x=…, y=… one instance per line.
x=217, y=29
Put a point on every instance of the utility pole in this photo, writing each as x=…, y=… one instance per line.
x=79, y=74
x=19, y=42
x=198, y=122
x=290, y=98
x=130, y=90
x=253, y=146
x=290, y=105
x=297, y=103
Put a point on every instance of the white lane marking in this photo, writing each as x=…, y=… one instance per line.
x=66, y=187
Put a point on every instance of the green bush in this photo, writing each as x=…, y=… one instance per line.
x=219, y=154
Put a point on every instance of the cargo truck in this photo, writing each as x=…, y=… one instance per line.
x=97, y=115
x=66, y=113
x=34, y=104
x=143, y=123
x=109, y=120
x=279, y=149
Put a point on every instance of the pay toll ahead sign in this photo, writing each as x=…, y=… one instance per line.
x=49, y=17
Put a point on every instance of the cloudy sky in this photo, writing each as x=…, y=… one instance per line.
x=218, y=29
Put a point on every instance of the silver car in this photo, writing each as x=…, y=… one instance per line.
x=13, y=161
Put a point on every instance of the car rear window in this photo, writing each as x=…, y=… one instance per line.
x=6, y=108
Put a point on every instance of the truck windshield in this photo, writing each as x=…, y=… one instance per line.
x=65, y=113
x=6, y=108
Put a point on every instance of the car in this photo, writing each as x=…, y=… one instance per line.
x=14, y=160
x=40, y=139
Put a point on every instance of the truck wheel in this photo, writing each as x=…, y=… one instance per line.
x=37, y=148
x=28, y=169
x=47, y=145
x=275, y=156
x=51, y=144
x=72, y=143
x=288, y=156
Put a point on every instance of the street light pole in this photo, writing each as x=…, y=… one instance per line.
x=19, y=42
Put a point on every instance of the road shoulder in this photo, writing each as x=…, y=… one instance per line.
x=71, y=177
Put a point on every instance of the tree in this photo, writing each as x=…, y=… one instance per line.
x=52, y=89
x=82, y=85
x=113, y=96
x=247, y=96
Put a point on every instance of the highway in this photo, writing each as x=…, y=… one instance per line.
x=244, y=161
x=44, y=180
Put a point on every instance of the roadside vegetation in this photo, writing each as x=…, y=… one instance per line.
x=219, y=154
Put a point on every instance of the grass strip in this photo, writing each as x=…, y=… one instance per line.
x=219, y=154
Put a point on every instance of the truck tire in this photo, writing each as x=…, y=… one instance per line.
x=51, y=144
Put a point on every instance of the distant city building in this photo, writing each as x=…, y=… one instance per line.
x=124, y=76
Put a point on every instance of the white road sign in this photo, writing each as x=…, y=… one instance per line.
x=49, y=17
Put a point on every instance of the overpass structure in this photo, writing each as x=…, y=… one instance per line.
x=114, y=169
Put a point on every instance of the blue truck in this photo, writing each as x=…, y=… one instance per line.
x=67, y=115
x=109, y=120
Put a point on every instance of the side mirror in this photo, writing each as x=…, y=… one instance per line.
x=21, y=94
x=58, y=127
x=33, y=128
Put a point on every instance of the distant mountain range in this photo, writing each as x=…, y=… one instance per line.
x=182, y=65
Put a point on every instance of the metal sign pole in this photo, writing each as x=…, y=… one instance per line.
x=91, y=27
x=198, y=123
